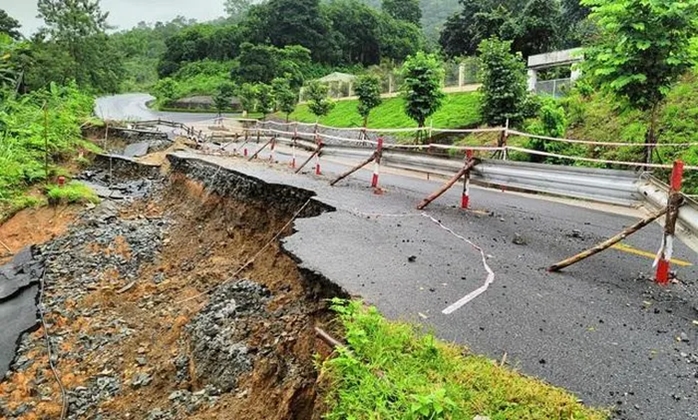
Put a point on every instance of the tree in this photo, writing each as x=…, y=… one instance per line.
x=643, y=49
x=503, y=83
x=223, y=97
x=538, y=27
x=265, y=99
x=9, y=25
x=292, y=22
x=533, y=28
x=423, y=77
x=247, y=94
x=478, y=20
x=285, y=98
x=236, y=9
x=368, y=89
x=407, y=10
x=318, y=101
x=264, y=63
x=79, y=27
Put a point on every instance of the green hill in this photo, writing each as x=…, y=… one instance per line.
x=459, y=110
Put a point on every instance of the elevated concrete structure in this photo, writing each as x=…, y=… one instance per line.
x=553, y=59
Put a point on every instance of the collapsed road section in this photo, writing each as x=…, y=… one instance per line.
x=177, y=305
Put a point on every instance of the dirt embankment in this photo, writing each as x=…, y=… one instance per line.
x=166, y=309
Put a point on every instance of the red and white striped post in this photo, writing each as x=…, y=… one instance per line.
x=244, y=152
x=465, y=199
x=273, y=146
x=666, y=251
x=377, y=163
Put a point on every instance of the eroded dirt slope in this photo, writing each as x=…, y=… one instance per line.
x=156, y=312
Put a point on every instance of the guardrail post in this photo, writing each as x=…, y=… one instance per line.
x=465, y=199
x=663, y=259
x=377, y=163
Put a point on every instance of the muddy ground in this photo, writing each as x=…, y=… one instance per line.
x=163, y=307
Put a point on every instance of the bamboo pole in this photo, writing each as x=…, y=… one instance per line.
x=468, y=166
x=354, y=169
x=607, y=243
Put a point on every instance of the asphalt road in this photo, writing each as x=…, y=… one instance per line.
x=602, y=329
x=132, y=107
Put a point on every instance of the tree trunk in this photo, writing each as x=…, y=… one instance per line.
x=651, y=137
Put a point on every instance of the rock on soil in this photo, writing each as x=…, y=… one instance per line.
x=219, y=331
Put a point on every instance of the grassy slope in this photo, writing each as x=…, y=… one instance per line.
x=459, y=110
x=392, y=371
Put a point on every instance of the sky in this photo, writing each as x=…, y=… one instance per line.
x=124, y=13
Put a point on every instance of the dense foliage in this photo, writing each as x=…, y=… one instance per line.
x=38, y=130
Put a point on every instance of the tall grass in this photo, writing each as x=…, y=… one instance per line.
x=392, y=371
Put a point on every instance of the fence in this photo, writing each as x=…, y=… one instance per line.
x=458, y=77
x=555, y=88
x=625, y=187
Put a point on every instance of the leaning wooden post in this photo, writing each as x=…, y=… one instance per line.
x=467, y=167
x=316, y=152
x=271, y=140
x=354, y=169
x=607, y=243
x=674, y=202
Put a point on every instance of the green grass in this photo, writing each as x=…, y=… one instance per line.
x=72, y=192
x=392, y=371
x=459, y=110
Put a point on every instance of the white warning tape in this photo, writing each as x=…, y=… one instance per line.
x=490, y=274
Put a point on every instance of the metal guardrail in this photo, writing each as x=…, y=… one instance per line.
x=601, y=185
x=620, y=187
x=656, y=195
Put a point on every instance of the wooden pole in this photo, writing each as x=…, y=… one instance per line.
x=466, y=168
x=317, y=150
x=334, y=343
x=354, y=169
x=262, y=148
x=607, y=243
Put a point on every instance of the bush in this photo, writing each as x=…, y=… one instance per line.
x=73, y=192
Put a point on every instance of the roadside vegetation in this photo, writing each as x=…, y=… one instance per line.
x=39, y=133
x=392, y=370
